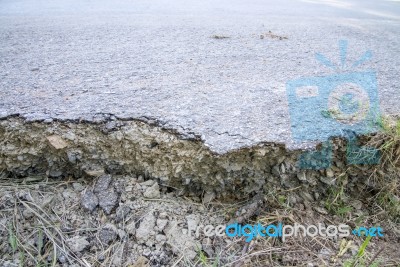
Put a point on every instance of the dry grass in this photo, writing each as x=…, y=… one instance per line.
x=50, y=240
x=388, y=142
x=386, y=176
x=351, y=251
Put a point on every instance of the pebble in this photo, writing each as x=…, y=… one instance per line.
x=131, y=228
x=89, y=201
x=208, y=197
x=78, y=187
x=302, y=176
x=122, y=212
x=57, y=142
x=102, y=183
x=145, y=230
x=152, y=191
x=27, y=214
x=148, y=183
x=95, y=172
x=161, y=223
x=108, y=233
x=146, y=252
x=108, y=200
x=77, y=243
x=330, y=173
x=328, y=181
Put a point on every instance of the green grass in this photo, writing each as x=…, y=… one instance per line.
x=12, y=239
x=360, y=260
x=336, y=201
x=204, y=261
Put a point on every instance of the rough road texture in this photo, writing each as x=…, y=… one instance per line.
x=172, y=64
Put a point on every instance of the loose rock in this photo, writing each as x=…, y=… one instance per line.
x=56, y=141
x=77, y=243
x=89, y=201
x=122, y=212
x=108, y=233
x=145, y=230
x=152, y=192
x=108, y=200
x=102, y=183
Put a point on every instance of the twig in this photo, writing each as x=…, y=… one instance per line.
x=251, y=209
x=244, y=251
x=375, y=256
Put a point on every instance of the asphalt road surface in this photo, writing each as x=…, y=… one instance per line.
x=216, y=69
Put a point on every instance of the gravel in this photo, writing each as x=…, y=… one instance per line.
x=138, y=231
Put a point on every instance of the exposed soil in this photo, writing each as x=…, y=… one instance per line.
x=127, y=221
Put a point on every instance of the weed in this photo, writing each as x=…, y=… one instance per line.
x=359, y=259
x=364, y=245
x=337, y=199
x=202, y=258
x=12, y=239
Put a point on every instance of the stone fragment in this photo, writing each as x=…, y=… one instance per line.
x=104, y=190
x=208, y=197
x=122, y=212
x=56, y=141
x=131, y=228
x=327, y=180
x=180, y=242
x=108, y=233
x=102, y=183
x=89, y=201
x=77, y=243
x=152, y=191
x=145, y=230
x=161, y=223
x=108, y=200
x=95, y=172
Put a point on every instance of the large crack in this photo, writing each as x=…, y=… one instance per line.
x=144, y=146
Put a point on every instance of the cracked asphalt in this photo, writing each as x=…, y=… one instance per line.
x=169, y=61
